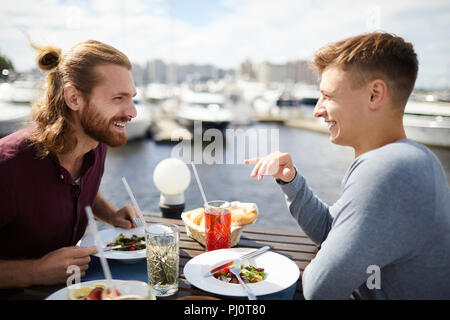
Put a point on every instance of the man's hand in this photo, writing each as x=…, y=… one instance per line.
x=52, y=268
x=106, y=212
x=277, y=164
x=124, y=217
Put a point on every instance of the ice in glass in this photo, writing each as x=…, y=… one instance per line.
x=217, y=225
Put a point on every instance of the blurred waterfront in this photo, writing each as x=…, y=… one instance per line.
x=321, y=162
x=283, y=108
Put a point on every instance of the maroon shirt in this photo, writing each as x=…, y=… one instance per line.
x=41, y=207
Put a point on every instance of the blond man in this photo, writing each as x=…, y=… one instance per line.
x=388, y=235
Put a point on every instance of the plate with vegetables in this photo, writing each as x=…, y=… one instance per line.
x=265, y=274
x=248, y=274
x=132, y=240
x=95, y=290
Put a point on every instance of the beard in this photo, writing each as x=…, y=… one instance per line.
x=99, y=128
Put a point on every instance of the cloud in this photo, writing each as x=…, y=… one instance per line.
x=260, y=30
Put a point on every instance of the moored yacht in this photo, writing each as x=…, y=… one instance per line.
x=428, y=123
x=15, y=105
x=139, y=127
x=13, y=117
x=209, y=108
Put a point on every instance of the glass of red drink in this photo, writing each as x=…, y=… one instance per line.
x=217, y=225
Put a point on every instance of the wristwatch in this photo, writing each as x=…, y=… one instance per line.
x=281, y=182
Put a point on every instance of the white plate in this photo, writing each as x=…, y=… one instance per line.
x=124, y=287
x=281, y=272
x=110, y=235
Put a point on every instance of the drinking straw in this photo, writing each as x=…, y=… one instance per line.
x=199, y=183
x=133, y=199
x=99, y=244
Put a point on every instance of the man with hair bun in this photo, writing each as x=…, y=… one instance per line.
x=52, y=170
x=388, y=235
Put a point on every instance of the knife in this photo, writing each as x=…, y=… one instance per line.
x=123, y=246
x=237, y=260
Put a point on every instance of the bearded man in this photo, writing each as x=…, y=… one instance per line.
x=52, y=170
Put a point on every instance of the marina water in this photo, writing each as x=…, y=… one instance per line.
x=321, y=162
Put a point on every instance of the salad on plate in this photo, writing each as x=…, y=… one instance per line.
x=248, y=274
x=122, y=240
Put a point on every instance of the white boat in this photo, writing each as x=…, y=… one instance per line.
x=276, y=106
x=139, y=126
x=13, y=117
x=240, y=101
x=20, y=91
x=430, y=130
x=15, y=109
x=209, y=108
x=427, y=108
x=15, y=105
x=428, y=123
x=308, y=96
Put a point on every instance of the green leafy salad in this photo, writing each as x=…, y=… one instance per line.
x=124, y=241
x=248, y=274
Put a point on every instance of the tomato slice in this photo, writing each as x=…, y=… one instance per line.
x=95, y=294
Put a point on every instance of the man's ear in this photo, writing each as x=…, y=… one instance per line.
x=73, y=98
x=378, y=93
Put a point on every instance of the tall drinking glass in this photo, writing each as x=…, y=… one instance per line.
x=217, y=225
x=163, y=258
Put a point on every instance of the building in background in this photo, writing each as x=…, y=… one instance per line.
x=139, y=74
x=157, y=71
x=269, y=72
x=300, y=71
x=245, y=70
x=293, y=71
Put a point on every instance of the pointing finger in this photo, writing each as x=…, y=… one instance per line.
x=251, y=161
x=262, y=170
x=256, y=169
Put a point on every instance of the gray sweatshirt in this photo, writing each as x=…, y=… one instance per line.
x=388, y=235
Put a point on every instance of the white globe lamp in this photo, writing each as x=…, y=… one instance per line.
x=171, y=177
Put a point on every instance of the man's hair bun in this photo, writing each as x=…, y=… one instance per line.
x=48, y=57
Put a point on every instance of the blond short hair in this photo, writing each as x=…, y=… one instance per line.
x=370, y=56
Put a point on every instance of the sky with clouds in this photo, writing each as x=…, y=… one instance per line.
x=225, y=32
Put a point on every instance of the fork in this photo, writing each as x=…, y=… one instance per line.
x=250, y=294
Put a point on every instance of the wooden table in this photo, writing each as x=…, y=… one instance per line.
x=293, y=244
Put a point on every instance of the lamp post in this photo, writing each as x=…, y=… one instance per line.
x=171, y=177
